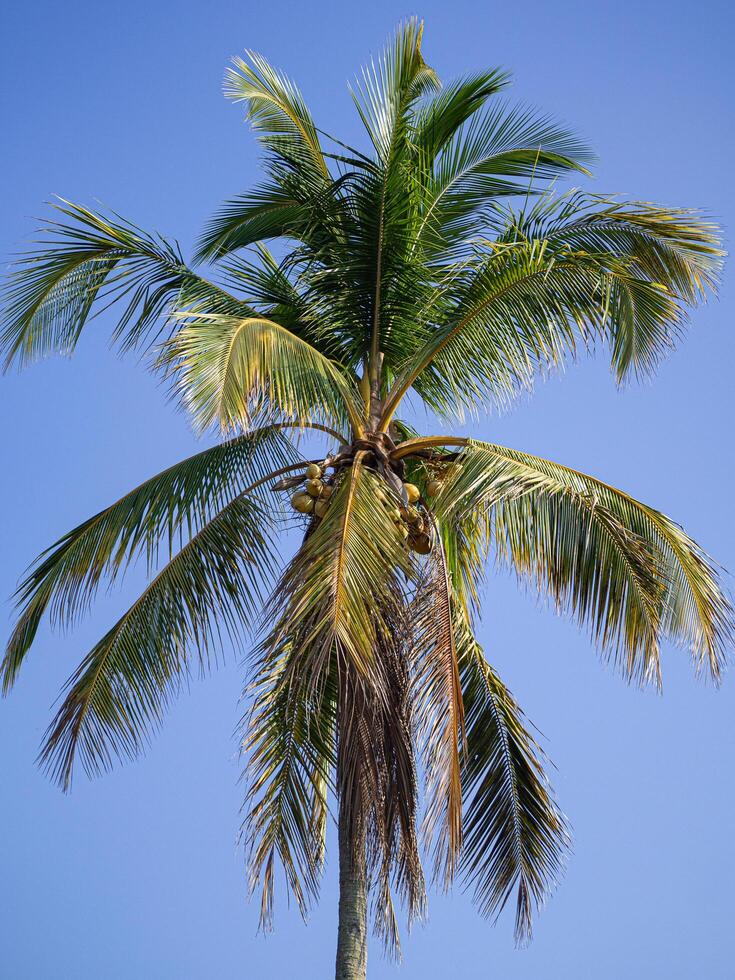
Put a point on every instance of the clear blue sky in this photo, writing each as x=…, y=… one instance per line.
x=138, y=875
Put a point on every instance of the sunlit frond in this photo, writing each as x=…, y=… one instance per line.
x=277, y=112
x=230, y=371
x=390, y=86
x=621, y=567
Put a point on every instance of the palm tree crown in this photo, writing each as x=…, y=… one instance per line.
x=438, y=264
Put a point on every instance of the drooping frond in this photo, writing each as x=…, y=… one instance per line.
x=341, y=578
x=268, y=212
x=621, y=567
x=515, y=837
x=289, y=741
x=440, y=712
x=230, y=371
x=116, y=697
x=154, y=516
x=89, y=261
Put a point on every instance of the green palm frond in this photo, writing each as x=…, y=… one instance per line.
x=621, y=567
x=390, y=86
x=90, y=260
x=500, y=152
x=438, y=119
x=515, y=836
x=535, y=296
x=117, y=696
x=268, y=212
x=154, y=516
x=230, y=371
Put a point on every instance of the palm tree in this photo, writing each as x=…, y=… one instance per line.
x=440, y=263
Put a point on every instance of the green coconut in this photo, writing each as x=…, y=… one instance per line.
x=320, y=507
x=313, y=471
x=433, y=487
x=314, y=487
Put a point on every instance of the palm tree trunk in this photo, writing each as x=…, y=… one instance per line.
x=352, y=929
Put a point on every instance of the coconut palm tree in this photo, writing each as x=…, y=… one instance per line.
x=437, y=262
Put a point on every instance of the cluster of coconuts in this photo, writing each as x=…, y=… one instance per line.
x=313, y=498
x=409, y=519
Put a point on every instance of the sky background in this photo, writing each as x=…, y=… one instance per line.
x=138, y=874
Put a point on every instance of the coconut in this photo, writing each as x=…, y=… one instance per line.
x=412, y=492
x=302, y=502
x=421, y=543
x=327, y=491
x=412, y=515
x=433, y=487
x=313, y=471
x=320, y=507
x=314, y=487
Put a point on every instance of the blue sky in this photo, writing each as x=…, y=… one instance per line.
x=138, y=874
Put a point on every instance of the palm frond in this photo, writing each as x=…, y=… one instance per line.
x=515, y=837
x=231, y=371
x=116, y=697
x=622, y=568
x=500, y=152
x=345, y=570
x=535, y=296
x=267, y=212
x=154, y=516
x=277, y=112
x=437, y=119
x=390, y=86
x=290, y=744
x=338, y=613
x=90, y=261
